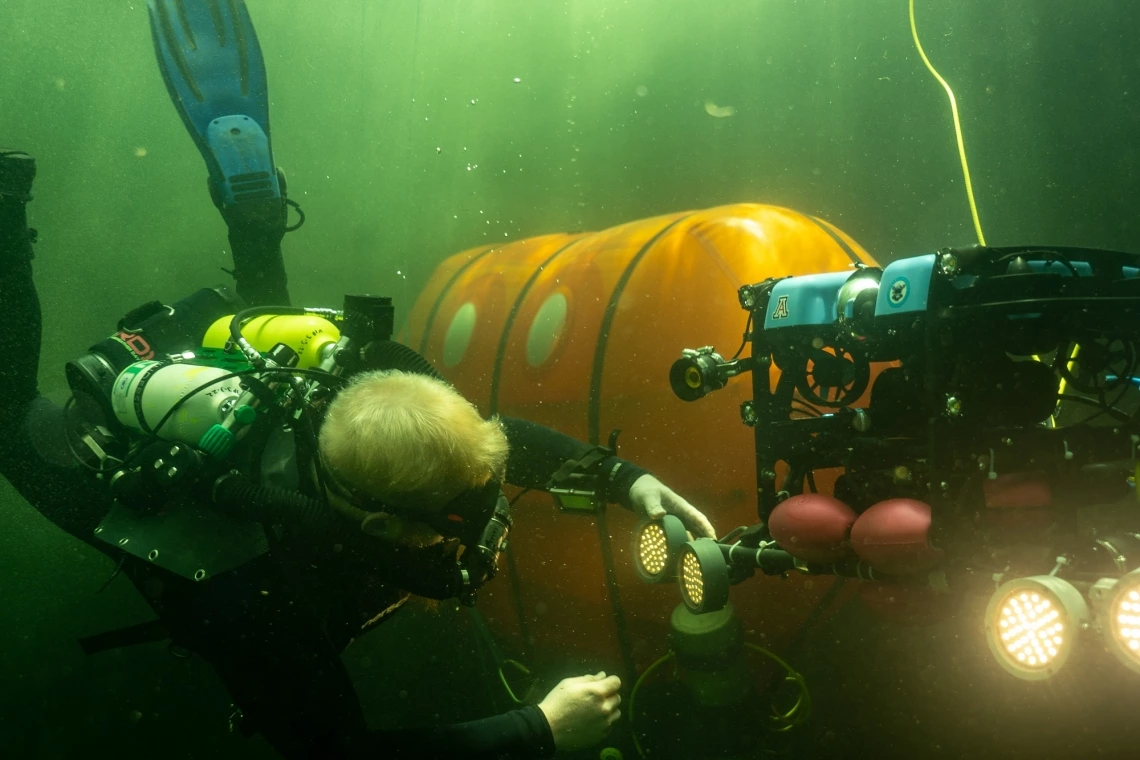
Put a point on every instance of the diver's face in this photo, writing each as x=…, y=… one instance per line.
x=400, y=530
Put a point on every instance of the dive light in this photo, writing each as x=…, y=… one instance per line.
x=1032, y=625
x=656, y=544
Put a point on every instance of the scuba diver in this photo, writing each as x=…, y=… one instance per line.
x=327, y=497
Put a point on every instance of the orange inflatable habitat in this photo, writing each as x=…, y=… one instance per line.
x=578, y=332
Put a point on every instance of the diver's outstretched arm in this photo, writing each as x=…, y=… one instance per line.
x=20, y=342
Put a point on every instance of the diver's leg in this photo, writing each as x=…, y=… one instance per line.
x=20, y=341
x=212, y=65
x=278, y=664
x=33, y=451
x=255, y=232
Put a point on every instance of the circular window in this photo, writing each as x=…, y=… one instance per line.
x=546, y=329
x=458, y=334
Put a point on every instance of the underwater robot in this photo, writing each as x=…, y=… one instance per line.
x=963, y=421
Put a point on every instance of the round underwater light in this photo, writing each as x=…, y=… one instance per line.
x=1120, y=618
x=702, y=575
x=1032, y=623
x=655, y=547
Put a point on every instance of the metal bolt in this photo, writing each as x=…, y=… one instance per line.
x=99, y=530
x=748, y=413
x=1007, y=441
x=123, y=541
x=948, y=263
x=174, y=451
x=153, y=555
x=199, y=575
x=172, y=472
x=158, y=464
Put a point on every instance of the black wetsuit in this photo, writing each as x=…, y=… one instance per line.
x=278, y=653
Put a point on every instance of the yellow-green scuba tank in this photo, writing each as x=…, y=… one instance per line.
x=310, y=336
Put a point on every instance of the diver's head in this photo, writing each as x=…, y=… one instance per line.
x=412, y=442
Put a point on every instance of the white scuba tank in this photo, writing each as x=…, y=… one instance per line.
x=145, y=392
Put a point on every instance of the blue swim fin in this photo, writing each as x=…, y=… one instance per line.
x=211, y=62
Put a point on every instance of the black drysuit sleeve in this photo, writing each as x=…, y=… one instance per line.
x=522, y=733
x=538, y=451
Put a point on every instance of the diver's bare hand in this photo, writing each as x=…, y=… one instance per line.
x=654, y=499
x=582, y=710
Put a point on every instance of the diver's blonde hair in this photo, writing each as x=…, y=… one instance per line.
x=410, y=439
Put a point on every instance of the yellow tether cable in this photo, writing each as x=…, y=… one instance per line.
x=957, y=128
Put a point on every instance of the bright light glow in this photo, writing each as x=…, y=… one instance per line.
x=1031, y=622
x=652, y=549
x=1124, y=614
x=692, y=579
x=1031, y=629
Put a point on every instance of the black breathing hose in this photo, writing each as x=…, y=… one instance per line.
x=421, y=571
x=387, y=354
x=277, y=505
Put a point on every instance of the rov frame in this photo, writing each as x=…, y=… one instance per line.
x=976, y=347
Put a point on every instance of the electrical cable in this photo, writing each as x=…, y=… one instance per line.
x=957, y=128
x=747, y=335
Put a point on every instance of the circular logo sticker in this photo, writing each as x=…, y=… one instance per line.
x=899, y=292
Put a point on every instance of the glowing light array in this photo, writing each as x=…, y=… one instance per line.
x=692, y=579
x=1032, y=624
x=1125, y=617
x=653, y=549
x=1031, y=628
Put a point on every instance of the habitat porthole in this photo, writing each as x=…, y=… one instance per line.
x=458, y=334
x=546, y=329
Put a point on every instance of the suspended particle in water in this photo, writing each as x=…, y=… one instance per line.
x=438, y=150
x=718, y=112
x=60, y=84
x=472, y=101
x=140, y=152
x=641, y=91
x=517, y=80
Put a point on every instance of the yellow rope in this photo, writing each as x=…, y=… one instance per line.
x=957, y=128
